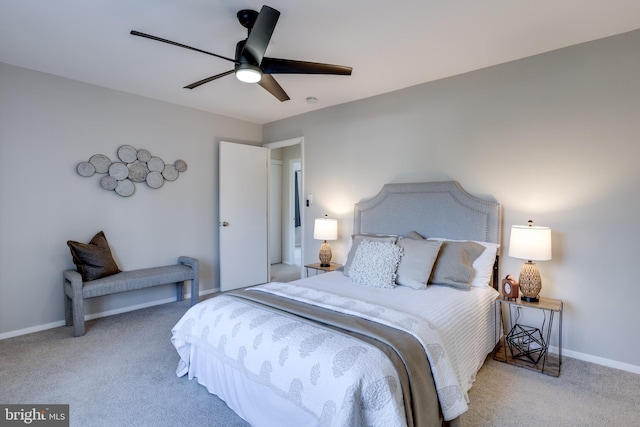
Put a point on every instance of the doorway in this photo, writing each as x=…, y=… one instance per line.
x=285, y=203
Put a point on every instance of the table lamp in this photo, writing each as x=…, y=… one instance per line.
x=531, y=244
x=325, y=229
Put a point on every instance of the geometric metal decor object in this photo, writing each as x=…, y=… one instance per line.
x=133, y=166
x=526, y=343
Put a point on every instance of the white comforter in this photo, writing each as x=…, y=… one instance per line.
x=456, y=328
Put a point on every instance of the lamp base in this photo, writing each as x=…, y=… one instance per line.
x=530, y=282
x=325, y=254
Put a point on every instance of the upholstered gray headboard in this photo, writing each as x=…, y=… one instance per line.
x=433, y=209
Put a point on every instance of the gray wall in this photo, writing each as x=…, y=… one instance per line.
x=554, y=137
x=50, y=124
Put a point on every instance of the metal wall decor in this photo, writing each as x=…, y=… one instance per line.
x=134, y=166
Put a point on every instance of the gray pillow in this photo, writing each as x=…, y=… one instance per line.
x=454, y=266
x=415, y=235
x=357, y=239
x=418, y=259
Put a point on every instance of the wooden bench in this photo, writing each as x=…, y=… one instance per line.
x=76, y=291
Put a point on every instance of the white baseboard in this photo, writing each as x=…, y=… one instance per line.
x=60, y=323
x=32, y=329
x=597, y=360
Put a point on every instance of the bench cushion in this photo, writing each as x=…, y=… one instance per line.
x=137, y=279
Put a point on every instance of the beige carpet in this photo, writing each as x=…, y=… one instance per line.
x=285, y=272
x=584, y=395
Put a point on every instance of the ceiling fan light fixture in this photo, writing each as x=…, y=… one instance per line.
x=248, y=73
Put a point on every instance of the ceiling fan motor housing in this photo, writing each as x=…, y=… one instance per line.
x=247, y=18
x=243, y=56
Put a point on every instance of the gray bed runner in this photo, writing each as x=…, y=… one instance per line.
x=405, y=352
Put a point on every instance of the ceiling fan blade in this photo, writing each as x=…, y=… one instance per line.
x=207, y=80
x=289, y=66
x=149, y=36
x=272, y=86
x=261, y=32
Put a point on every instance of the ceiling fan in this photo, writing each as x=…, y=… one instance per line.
x=251, y=65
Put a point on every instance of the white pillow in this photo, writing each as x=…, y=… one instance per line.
x=483, y=265
x=418, y=258
x=375, y=264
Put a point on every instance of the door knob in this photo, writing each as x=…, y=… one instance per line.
x=224, y=224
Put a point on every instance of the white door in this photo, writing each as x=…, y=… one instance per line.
x=243, y=215
x=275, y=212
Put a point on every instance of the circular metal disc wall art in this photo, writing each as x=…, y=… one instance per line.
x=181, y=165
x=138, y=171
x=155, y=164
x=144, y=155
x=170, y=173
x=125, y=188
x=127, y=154
x=119, y=171
x=134, y=166
x=86, y=169
x=108, y=182
x=100, y=162
x=155, y=179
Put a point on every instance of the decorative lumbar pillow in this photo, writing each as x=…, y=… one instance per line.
x=93, y=260
x=356, y=240
x=417, y=261
x=375, y=263
x=454, y=266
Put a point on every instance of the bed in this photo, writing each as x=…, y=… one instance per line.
x=395, y=339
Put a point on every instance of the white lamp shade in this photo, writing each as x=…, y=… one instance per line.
x=530, y=243
x=325, y=229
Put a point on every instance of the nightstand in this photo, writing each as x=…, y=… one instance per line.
x=318, y=269
x=528, y=346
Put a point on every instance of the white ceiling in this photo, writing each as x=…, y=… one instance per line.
x=390, y=45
